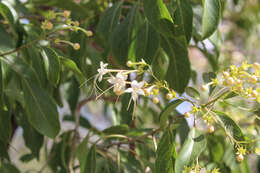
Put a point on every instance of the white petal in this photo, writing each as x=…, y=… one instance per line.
x=134, y=84
x=140, y=92
x=129, y=90
x=140, y=84
x=112, y=80
x=100, y=78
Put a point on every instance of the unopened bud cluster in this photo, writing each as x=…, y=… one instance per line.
x=243, y=80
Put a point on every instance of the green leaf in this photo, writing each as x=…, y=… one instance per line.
x=118, y=129
x=72, y=93
x=5, y=114
x=8, y=168
x=165, y=154
x=41, y=110
x=27, y=158
x=160, y=63
x=183, y=130
x=192, y=92
x=90, y=161
x=82, y=121
x=178, y=73
x=122, y=36
x=230, y=126
x=194, y=144
x=109, y=21
x=52, y=65
x=158, y=15
x=71, y=65
x=147, y=43
x=211, y=17
x=4, y=150
x=166, y=112
x=183, y=18
x=33, y=140
x=216, y=147
x=82, y=151
x=6, y=12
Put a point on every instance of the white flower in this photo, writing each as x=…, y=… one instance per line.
x=102, y=70
x=203, y=170
x=118, y=82
x=136, y=89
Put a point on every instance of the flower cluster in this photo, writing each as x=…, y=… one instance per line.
x=64, y=19
x=119, y=79
x=197, y=169
x=243, y=80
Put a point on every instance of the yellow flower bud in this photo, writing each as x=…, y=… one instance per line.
x=253, y=78
x=49, y=25
x=129, y=63
x=186, y=114
x=240, y=157
x=89, y=33
x=155, y=100
x=169, y=96
x=146, y=92
x=76, y=46
x=203, y=88
x=256, y=66
x=254, y=93
x=211, y=129
x=230, y=81
x=76, y=23
x=225, y=74
x=66, y=13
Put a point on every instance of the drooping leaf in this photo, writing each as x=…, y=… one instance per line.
x=230, y=126
x=166, y=112
x=52, y=65
x=211, y=17
x=72, y=94
x=109, y=20
x=165, y=154
x=40, y=109
x=71, y=65
x=33, y=140
x=178, y=73
x=122, y=36
x=158, y=15
x=90, y=161
x=81, y=152
x=195, y=143
x=147, y=43
x=183, y=18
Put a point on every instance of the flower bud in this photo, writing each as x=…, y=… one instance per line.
x=49, y=25
x=66, y=13
x=129, y=63
x=240, y=157
x=155, y=91
x=211, y=129
x=186, y=114
x=254, y=93
x=225, y=74
x=253, y=78
x=230, y=81
x=256, y=65
x=155, y=100
x=76, y=46
x=76, y=23
x=169, y=96
x=203, y=88
x=89, y=33
x=146, y=92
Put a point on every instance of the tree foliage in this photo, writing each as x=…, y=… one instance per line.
x=139, y=64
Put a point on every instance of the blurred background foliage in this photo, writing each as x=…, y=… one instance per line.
x=49, y=115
